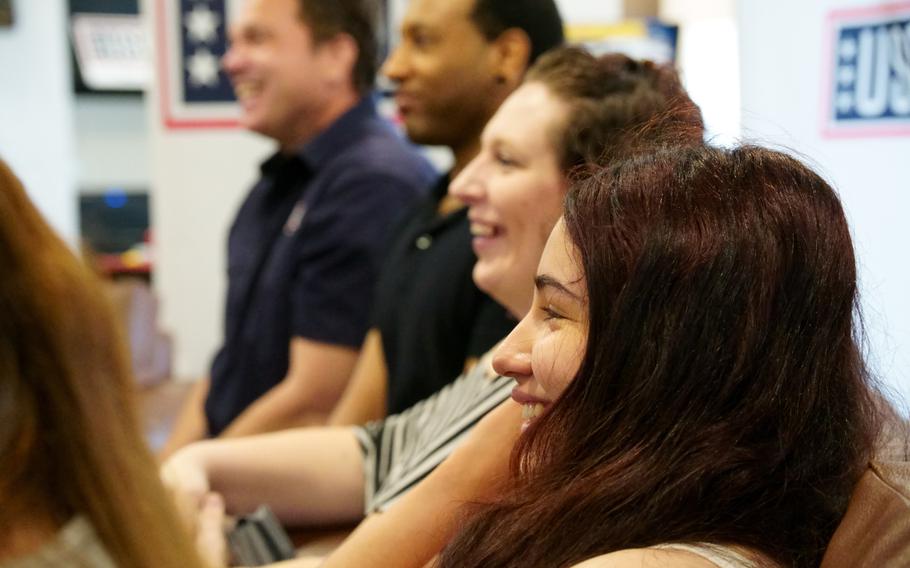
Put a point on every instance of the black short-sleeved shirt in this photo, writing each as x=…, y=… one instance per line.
x=431, y=314
x=305, y=250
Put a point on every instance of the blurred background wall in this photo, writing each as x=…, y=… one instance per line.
x=37, y=109
x=757, y=68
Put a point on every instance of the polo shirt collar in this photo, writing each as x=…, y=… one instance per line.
x=441, y=187
x=339, y=135
x=327, y=143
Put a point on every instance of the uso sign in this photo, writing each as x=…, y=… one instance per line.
x=868, y=85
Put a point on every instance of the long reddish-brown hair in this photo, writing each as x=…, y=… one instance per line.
x=722, y=397
x=70, y=443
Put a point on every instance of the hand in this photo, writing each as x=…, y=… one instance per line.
x=188, y=483
x=210, y=540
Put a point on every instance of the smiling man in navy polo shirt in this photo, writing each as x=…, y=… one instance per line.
x=305, y=247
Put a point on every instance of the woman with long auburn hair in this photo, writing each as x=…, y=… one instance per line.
x=695, y=395
x=77, y=485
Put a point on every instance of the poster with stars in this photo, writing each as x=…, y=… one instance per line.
x=868, y=85
x=191, y=38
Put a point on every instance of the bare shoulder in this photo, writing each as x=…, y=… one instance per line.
x=647, y=558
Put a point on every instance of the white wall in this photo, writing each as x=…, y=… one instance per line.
x=708, y=61
x=588, y=11
x=36, y=110
x=783, y=66
x=198, y=180
x=112, y=148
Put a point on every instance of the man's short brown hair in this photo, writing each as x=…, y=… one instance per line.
x=357, y=18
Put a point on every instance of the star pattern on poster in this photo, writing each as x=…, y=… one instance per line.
x=846, y=76
x=202, y=24
x=202, y=67
x=844, y=102
x=847, y=49
x=203, y=42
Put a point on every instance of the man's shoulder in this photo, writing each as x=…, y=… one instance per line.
x=379, y=151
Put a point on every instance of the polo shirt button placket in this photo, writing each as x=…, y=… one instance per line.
x=423, y=242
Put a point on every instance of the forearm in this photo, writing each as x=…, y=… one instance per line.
x=307, y=562
x=281, y=408
x=190, y=425
x=307, y=476
x=364, y=399
x=420, y=524
x=411, y=532
x=410, y=544
x=317, y=376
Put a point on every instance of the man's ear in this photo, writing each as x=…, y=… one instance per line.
x=512, y=52
x=339, y=58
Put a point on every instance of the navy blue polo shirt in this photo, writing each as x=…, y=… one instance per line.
x=305, y=249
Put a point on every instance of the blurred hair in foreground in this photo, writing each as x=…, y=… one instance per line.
x=70, y=444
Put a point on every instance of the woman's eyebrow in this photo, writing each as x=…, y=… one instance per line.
x=542, y=281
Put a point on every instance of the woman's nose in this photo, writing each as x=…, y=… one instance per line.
x=513, y=356
x=468, y=185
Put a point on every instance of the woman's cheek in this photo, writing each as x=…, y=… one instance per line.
x=558, y=363
x=572, y=352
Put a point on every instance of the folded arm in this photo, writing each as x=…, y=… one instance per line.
x=316, y=378
x=307, y=476
x=417, y=527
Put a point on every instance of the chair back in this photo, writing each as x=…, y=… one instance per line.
x=875, y=531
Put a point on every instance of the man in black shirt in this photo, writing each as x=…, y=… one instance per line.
x=456, y=62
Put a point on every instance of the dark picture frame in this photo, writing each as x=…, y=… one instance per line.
x=6, y=13
x=117, y=7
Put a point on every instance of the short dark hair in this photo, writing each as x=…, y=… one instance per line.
x=358, y=19
x=539, y=19
x=616, y=105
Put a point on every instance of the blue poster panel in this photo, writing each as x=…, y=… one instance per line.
x=868, y=86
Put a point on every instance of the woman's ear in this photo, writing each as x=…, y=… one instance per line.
x=512, y=52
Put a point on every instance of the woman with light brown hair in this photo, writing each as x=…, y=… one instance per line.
x=77, y=485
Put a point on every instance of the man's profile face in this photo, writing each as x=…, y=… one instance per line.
x=275, y=68
x=443, y=66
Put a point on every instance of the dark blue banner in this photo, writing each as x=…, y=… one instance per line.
x=871, y=78
x=203, y=41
